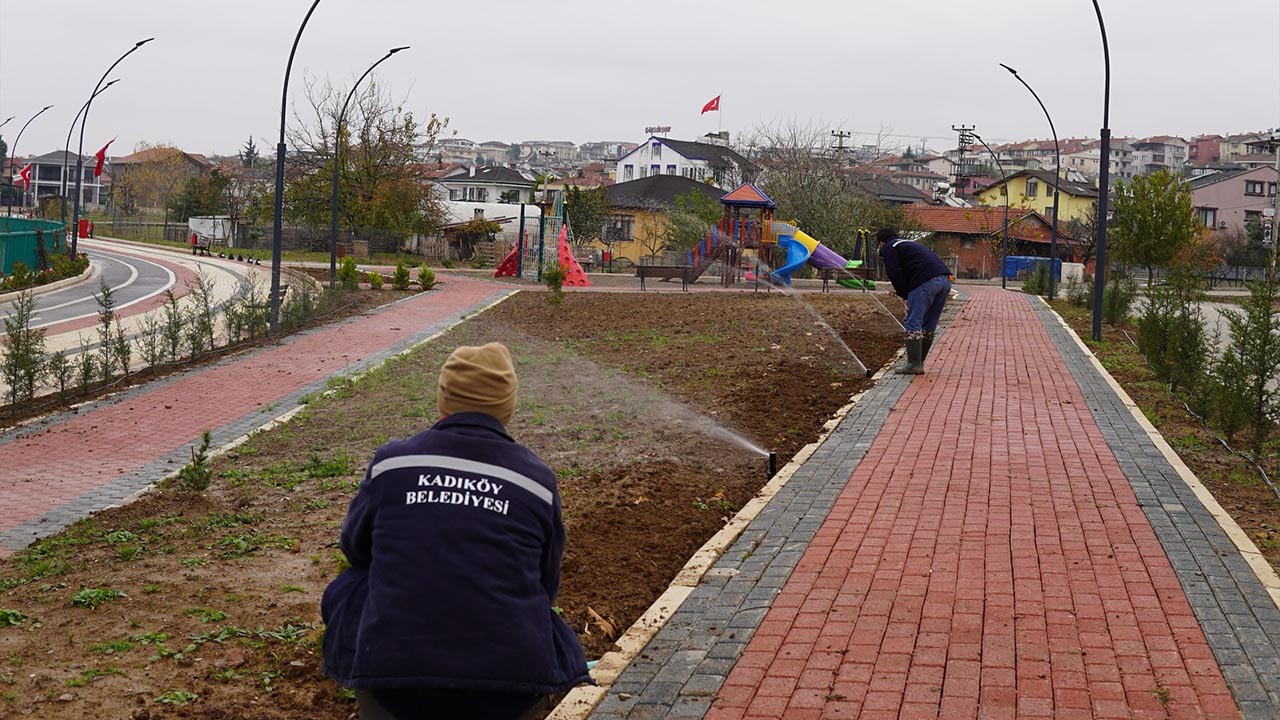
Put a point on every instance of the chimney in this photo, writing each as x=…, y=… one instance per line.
x=471, y=171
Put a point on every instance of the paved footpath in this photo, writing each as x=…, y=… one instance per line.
x=996, y=539
x=59, y=470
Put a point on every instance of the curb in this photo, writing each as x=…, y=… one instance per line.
x=85, y=276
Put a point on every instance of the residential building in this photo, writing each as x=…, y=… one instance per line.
x=1087, y=160
x=147, y=178
x=1161, y=152
x=885, y=189
x=1235, y=147
x=972, y=237
x=714, y=163
x=1229, y=200
x=1205, y=149
x=545, y=153
x=604, y=151
x=490, y=184
x=638, y=209
x=453, y=150
x=493, y=152
x=1033, y=189
x=48, y=171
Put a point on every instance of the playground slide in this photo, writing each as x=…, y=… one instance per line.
x=797, y=254
x=825, y=257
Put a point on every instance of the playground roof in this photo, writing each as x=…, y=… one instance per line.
x=748, y=195
x=657, y=191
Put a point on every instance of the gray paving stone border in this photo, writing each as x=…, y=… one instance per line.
x=679, y=672
x=1238, y=616
x=127, y=486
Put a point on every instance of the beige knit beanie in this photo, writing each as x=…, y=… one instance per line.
x=479, y=379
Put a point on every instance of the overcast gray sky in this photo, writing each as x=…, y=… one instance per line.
x=593, y=70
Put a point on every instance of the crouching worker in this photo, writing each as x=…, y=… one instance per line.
x=454, y=539
x=921, y=279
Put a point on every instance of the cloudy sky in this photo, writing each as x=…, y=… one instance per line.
x=584, y=70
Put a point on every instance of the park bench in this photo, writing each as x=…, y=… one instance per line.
x=665, y=272
x=828, y=274
x=201, y=246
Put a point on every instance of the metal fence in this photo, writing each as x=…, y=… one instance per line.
x=24, y=240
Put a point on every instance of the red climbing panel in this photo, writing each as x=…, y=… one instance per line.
x=573, y=274
x=510, y=264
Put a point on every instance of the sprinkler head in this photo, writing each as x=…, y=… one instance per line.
x=773, y=464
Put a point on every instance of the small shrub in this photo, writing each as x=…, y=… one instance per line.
x=400, y=278
x=374, y=279
x=554, y=279
x=22, y=350
x=426, y=277
x=446, y=263
x=1117, y=299
x=1079, y=294
x=349, y=274
x=197, y=475
x=11, y=617
x=1037, y=280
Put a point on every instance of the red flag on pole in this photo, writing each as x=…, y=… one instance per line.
x=713, y=105
x=25, y=174
x=102, y=158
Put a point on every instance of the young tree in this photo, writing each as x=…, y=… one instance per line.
x=1084, y=230
x=200, y=195
x=1252, y=359
x=689, y=221
x=587, y=210
x=1154, y=218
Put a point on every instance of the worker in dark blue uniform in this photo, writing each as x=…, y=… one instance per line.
x=455, y=538
x=924, y=281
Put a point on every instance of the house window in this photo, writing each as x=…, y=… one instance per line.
x=655, y=169
x=657, y=150
x=671, y=169
x=968, y=243
x=1252, y=187
x=1271, y=189
x=1208, y=216
x=453, y=194
x=628, y=172
x=619, y=228
x=1033, y=187
x=644, y=171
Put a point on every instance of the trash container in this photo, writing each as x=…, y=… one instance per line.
x=85, y=226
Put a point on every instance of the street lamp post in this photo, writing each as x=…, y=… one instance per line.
x=6, y=120
x=277, y=229
x=84, y=118
x=337, y=151
x=1004, y=181
x=66, y=149
x=13, y=153
x=1104, y=187
x=1057, y=180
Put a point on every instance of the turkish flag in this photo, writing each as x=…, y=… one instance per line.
x=102, y=158
x=713, y=105
x=25, y=174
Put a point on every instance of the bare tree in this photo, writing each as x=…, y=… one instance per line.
x=819, y=187
x=383, y=188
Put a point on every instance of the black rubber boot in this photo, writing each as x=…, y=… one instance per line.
x=928, y=343
x=915, y=358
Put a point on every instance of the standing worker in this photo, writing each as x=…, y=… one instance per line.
x=921, y=279
x=454, y=538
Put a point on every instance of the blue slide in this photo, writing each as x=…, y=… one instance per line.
x=797, y=255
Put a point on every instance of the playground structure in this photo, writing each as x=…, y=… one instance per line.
x=747, y=243
x=532, y=255
x=779, y=248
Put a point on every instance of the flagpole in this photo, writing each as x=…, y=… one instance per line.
x=720, y=114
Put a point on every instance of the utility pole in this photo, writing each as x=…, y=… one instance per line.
x=840, y=136
x=966, y=142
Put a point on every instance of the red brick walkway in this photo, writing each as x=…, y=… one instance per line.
x=987, y=559
x=62, y=463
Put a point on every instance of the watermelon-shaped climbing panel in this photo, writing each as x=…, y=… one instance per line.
x=511, y=264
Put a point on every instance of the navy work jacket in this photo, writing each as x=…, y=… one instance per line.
x=454, y=539
x=910, y=265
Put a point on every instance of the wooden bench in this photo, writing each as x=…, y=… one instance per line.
x=199, y=248
x=836, y=273
x=665, y=272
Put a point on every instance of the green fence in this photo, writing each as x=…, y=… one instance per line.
x=20, y=239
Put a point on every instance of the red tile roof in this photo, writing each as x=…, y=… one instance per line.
x=1024, y=224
